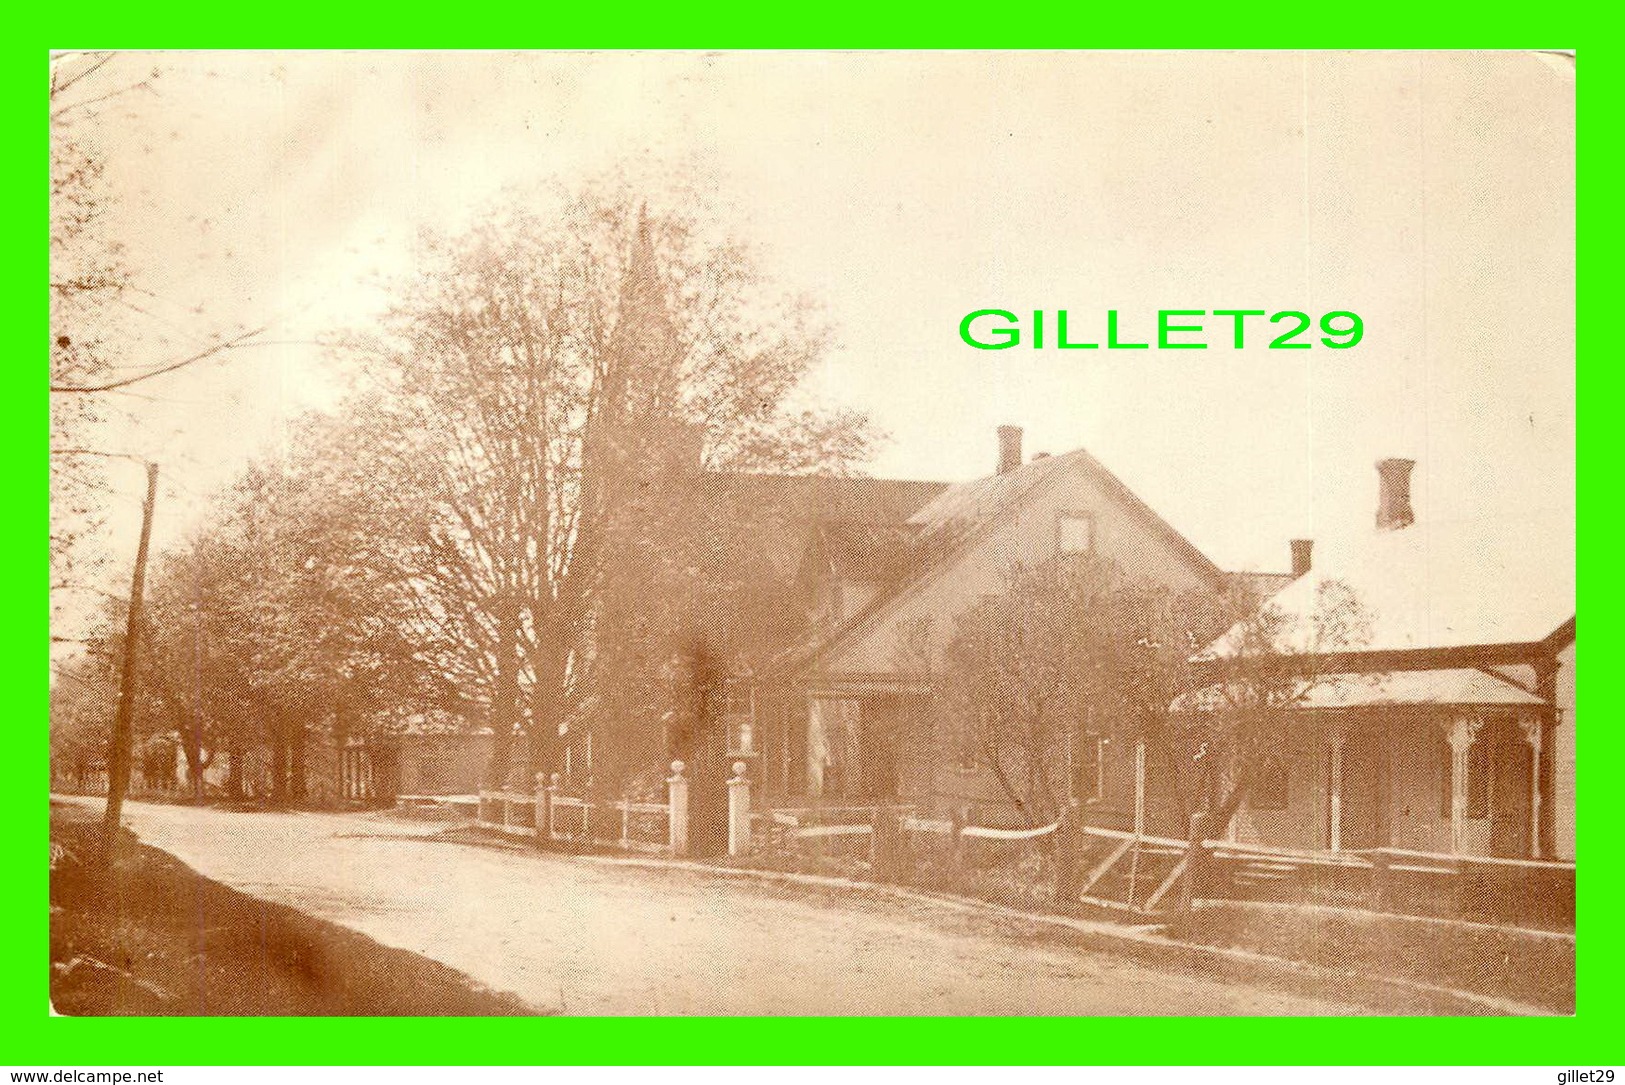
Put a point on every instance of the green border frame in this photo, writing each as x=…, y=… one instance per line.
x=33, y=1038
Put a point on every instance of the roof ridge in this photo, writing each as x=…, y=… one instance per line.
x=987, y=521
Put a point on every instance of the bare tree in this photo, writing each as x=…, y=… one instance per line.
x=1073, y=646
x=1068, y=648
x=96, y=299
x=522, y=394
x=1248, y=684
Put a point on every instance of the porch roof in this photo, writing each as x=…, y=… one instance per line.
x=1372, y=689
x=1451, y=686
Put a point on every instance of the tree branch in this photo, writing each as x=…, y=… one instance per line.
x=224, y=345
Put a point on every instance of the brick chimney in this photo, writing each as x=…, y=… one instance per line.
x=1394, y=494
x=1009, y=449
x=1301, y=549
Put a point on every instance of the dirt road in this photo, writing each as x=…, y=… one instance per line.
x=598, y=936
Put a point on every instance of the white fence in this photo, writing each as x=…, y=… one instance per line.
x=551, y=815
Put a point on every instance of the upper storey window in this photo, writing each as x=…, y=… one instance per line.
x=1075, y=533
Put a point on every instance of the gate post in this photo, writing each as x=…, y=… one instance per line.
x=677, y=814
x=1193, y=863
x=738, y=812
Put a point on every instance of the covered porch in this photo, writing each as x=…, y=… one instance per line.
x=841, y=744
x=1439, y=761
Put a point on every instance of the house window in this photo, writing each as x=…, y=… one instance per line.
x=1270, y=787
x=1075, y=533
x=1089, y=767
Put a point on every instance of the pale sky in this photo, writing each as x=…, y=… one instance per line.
x=1431, y=193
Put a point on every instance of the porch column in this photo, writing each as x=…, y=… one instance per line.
x=1139, y=787
x=817, y=749
x=1338, y=736
x=1530, y=725
x=1463, y=730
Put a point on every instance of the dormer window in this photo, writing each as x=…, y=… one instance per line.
x=1075, y=533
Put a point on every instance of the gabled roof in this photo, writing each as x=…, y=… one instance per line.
x=877, y=553
x=965, y=512
x=1472, y=583
x=758, y=509
x=987, y=500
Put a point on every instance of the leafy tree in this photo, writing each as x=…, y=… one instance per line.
x=83, y=691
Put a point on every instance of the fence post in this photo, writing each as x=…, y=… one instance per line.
x=552, y=810
x=626, y=821
x=1068, y=852
x=1188, y=887
x=538, y=813
x=738, y=812
x=958, y=840
x=1379, y=882
x=883, y=833
x=677, y=816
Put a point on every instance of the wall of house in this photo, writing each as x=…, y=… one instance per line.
x=1563, y=742
x=943, y=788
x=1418, y=759
x=1029, y=538
x=1415, y=759
x=974, y=793
x=1303, y=821
x=449, y=764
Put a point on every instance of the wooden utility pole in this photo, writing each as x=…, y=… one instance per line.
x=121, y=748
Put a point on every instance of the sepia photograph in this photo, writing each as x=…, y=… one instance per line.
x=795, y=533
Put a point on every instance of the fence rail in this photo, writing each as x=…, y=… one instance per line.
x=1121, y=870
x=550, y=815
x=96, y=784
x=1094, y=865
